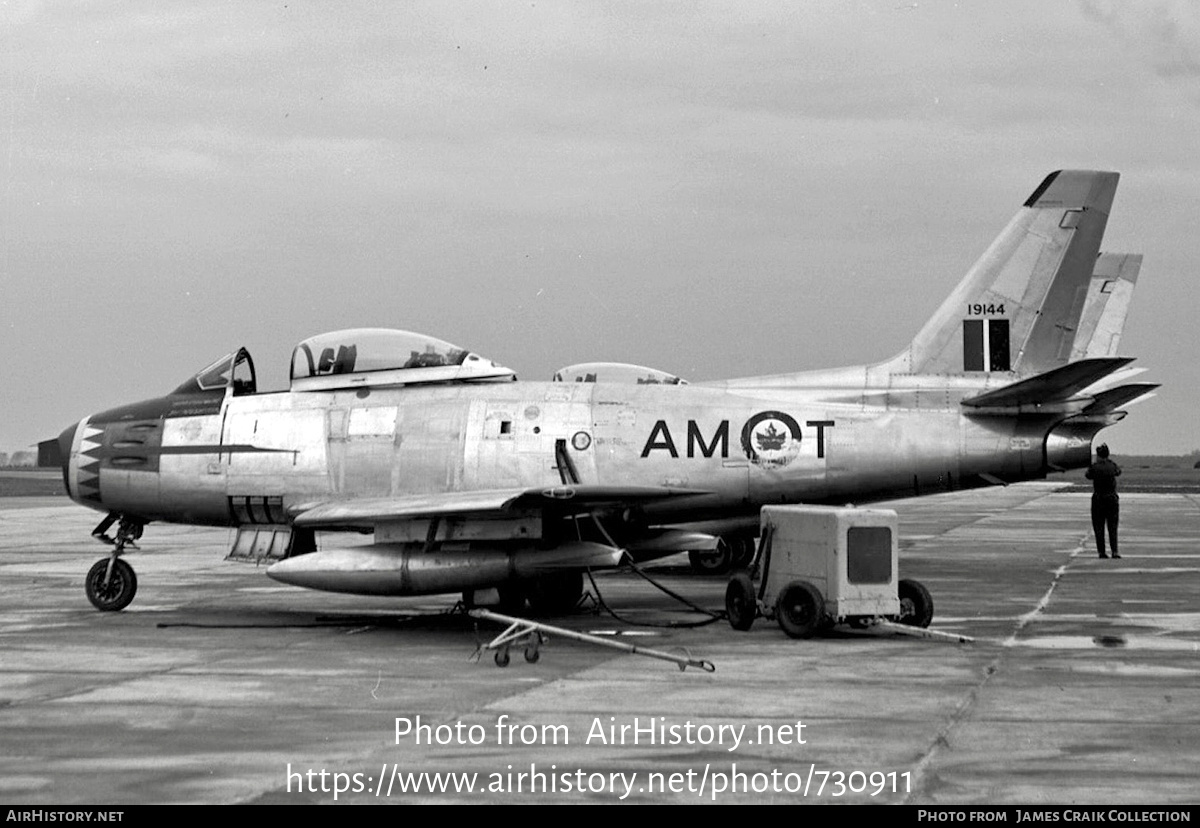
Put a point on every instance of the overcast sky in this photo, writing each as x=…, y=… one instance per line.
x=713, y=189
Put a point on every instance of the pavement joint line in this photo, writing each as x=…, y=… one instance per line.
x=116, y=681
x=968, y=701
x=122, y=678
x=1024, y=620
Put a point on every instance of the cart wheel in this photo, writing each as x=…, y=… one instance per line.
x=740, y=603
x=916, y=604
x=799, y=609
x=502, y=657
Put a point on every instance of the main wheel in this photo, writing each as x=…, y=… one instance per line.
x=743, y=551
x=741, y=606
x=118, y=592
x=512, y=599
x=556, y=594
x=509, y=599
x=800, y=609
x=712, y=561
x=916, y=604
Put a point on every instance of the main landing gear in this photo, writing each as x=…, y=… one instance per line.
x=731, y=552
x=549, y=595
x=111, y=583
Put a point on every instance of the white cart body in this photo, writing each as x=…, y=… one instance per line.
x=850, y=555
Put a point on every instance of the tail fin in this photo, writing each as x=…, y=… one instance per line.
x=1017, y=309
x=1109, y=294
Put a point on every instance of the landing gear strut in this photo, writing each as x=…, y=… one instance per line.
x=111, y=583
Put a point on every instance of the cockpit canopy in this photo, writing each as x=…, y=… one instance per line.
x=380, y=356
x=618, y=372
x=234, y=370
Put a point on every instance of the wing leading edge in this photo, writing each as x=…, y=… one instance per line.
x=495, y=502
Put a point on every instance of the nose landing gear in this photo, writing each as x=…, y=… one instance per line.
x=111, y=583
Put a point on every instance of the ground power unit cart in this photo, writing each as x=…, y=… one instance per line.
x=817, y=566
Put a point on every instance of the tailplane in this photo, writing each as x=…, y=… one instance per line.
x=1057, y=387
x=1017, y=310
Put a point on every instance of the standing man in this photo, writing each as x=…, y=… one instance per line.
x=1106, y=507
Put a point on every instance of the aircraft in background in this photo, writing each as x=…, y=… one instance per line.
x=470, y=480
x=1106, y=305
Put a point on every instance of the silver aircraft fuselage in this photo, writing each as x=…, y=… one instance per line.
x=260, y=458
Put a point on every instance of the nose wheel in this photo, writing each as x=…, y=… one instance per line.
x=111, y=583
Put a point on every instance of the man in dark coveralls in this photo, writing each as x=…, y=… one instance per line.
x=1106, y=508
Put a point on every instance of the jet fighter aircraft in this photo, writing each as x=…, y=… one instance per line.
x=470, y=480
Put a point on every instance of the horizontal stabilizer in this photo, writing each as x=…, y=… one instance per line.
x=1108, y=401
x=1055, y=386
x=369, y=511
x=1122, y=377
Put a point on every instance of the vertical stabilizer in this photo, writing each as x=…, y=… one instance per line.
x=1109, y=295
x=1017, y=310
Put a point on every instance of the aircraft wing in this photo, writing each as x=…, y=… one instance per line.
x=494, y=502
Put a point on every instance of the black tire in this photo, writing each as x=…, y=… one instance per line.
x=532, y=655
x=916, y=604
x=502, y=657
x=716, y=561
x=800, y=609
x=743, y=551
x=741, y=605
x=556, y=594
x=512, y=599
x=120, y=589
